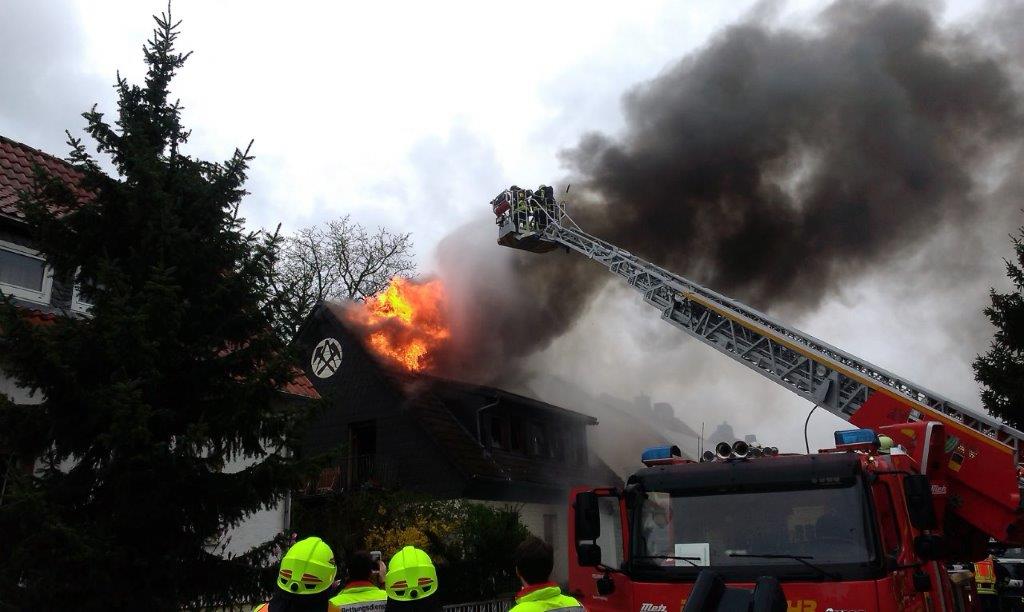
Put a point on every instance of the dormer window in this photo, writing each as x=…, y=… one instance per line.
x=24, y=274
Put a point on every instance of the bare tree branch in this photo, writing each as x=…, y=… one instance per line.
x=339, y=260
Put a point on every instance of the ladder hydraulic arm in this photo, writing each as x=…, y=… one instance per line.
x=981, y=453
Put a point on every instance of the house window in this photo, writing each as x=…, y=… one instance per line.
x=361, y=464
x=24, y=274
x=517, y=439
x=539, y=440
x=558, y=446
x=81, y=302
x=497, y=431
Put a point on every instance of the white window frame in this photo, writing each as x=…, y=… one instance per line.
x=39, y=297
x=77, y=305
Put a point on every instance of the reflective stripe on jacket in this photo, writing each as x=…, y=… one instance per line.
x=985, y=577
x=270, y=606
x=545, y=598
x=360, y=597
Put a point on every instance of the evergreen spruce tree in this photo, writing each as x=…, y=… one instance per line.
x=1001, y=369
x=175, y=374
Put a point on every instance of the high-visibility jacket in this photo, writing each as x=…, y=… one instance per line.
x=312, y=605
x=361, y=596
x=985, y=577
x=544, y=598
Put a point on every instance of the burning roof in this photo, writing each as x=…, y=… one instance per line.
x=405, y=325
x=446, y=437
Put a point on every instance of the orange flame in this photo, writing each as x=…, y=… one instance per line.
x=405, y=324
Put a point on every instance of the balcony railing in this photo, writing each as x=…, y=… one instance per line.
x=495, y=605
x=353, y=474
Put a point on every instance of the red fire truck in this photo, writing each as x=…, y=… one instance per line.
x=854, y=527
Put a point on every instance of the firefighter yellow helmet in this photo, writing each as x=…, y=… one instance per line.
x=885, y=444
x=411, y=575
x=307, y=568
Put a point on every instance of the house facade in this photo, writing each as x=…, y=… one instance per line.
x=444, y=438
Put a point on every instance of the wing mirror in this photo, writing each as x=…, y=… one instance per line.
x=588, y=521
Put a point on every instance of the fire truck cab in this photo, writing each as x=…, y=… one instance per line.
x=848, y=528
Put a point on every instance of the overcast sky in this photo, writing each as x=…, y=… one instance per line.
x=414, y=115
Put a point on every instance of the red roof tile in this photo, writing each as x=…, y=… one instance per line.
x=38, y=316
x=300, y=386
x=17, y=173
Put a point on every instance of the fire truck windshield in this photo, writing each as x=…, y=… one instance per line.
x=795, y=532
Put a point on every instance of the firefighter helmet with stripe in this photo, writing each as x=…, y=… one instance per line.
x=307, y=568
x=411, y=575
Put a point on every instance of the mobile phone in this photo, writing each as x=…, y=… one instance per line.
x=375, y=555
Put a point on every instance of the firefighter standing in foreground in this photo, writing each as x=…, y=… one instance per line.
x=361, y=593
x=305, y=579
x=411, y=582
x=534, y=561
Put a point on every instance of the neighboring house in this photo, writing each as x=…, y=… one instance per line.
x=26, y=277
x=441, y=437
x=24, y=274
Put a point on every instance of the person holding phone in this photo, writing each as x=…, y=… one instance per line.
x=362, y=592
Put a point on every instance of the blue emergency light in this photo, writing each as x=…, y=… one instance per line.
x=855, y=436
x=657, y=454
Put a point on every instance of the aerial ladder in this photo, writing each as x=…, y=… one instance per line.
x=978, y=471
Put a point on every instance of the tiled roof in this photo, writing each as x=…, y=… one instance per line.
x=419, y=381
x=38, y=317
x=17, y=173
x=300, y=386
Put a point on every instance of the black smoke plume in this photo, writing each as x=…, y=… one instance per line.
x=773, y=165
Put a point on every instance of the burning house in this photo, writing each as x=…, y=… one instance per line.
x=400, y=427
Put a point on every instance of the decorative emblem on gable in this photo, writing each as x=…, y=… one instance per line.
x=326, y=358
